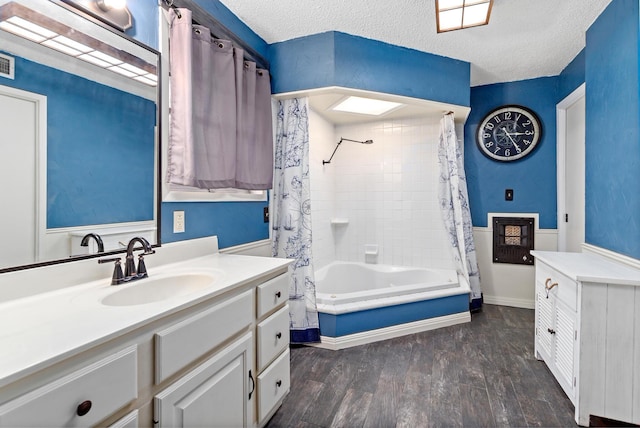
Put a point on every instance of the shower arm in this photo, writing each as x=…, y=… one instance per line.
x=324, y=162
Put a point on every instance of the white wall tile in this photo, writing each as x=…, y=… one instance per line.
x=387, y=190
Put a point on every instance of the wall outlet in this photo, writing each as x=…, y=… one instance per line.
x=178, y=221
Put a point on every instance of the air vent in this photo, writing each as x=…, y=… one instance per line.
x=7, y=66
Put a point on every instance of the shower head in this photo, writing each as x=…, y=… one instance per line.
x=356, y=141
x=324, y=162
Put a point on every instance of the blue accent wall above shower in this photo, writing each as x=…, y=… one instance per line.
x=339, y=59
x=533, y=178
x=613, y=130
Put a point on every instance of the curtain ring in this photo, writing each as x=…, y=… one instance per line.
x=220, y=45
x=197, y=30
x=260, y=73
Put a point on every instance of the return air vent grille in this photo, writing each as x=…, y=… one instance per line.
x=7, y=66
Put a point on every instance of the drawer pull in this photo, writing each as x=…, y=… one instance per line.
x=278, y=294
x=549, y=287
x=552, y=331
x=253, y=384
x=83, y=408
x=279, y=383
x=279, y=335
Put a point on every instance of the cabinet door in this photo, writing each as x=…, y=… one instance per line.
x=564, y=327
x=544, y=323
x=215, y=394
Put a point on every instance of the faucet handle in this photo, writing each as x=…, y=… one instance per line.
x=142, y=269
x=118, y=276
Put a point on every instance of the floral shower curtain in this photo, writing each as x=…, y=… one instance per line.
x=292, y=216
x=454, y=207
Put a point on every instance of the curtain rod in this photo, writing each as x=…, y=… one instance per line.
x=201, y=17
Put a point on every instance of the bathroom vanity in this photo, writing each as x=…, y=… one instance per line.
x=588, y=332
x=202, y=342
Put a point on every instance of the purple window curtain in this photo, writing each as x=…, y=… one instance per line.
x=220, y=128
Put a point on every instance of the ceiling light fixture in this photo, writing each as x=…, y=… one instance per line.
x=367, y=106
x=458, y=14
x=31, y=25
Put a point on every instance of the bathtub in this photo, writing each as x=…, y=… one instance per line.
x=360, y=303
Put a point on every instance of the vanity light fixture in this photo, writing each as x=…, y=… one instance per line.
x=31, y=25
x=368, y=106
x=458, y=14
x=112, y=12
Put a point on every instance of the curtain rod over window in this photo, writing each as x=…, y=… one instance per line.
x=219, y=30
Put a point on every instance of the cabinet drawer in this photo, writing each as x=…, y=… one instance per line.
x=272, y=293
x=184, y=342
x=273, y=336
x=273, y=384
x=103, y=387
x=566, y=289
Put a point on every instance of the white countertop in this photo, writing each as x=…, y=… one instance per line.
x=37, y=331
x=589, y=267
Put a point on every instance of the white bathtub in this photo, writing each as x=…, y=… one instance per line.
x=343, y=287
x=362, y=303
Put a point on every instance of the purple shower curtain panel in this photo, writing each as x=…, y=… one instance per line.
x=220, y=128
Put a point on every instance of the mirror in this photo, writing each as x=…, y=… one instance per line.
x=78, y=150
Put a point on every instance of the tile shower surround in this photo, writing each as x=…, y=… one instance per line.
x=387, y=190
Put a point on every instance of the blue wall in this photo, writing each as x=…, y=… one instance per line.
x=533, y=178
x=93, y=150
x=572, y=76
x=613, y=130
x=339, y=59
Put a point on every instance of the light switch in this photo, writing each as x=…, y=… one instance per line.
x=178, y=222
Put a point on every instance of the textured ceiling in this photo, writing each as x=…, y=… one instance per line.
x=524, y=39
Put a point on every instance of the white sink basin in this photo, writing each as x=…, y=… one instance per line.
x=149, y=290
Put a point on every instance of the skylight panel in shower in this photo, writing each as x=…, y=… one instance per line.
x=368, y=106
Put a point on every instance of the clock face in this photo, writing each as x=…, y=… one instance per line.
x=509, y=133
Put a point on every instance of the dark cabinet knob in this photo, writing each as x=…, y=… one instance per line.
x=83, y=408
x=278, y=294
x=552, y=331
x=279, y=383
x=279, y=335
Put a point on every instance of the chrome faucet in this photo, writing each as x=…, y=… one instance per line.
x=96, y=237
x=131, y=273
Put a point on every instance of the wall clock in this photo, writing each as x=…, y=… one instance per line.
x=509, y=133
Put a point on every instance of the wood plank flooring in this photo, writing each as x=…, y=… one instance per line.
x=481, y=373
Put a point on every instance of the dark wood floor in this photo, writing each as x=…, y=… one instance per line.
x=481, y=373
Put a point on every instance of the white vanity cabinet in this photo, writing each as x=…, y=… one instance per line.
x=220, y=359
x=588, y=332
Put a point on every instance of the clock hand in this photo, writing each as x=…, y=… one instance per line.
x=509, y=135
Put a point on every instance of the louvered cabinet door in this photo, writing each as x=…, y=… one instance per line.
x=544, y=323
x=564, y=327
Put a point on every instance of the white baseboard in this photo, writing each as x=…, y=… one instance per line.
x=356, y=339
x=256, y=248
x=506, y=301
x=612, y=255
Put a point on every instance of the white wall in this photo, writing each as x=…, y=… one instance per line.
x=322, y=141
x=387, y=191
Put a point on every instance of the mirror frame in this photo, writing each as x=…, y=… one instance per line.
x=158, y=173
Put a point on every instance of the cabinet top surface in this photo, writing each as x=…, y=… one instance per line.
x=588, y=267
x=40, y=330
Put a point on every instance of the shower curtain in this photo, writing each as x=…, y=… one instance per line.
x=291, y=237
x=220, y=133
x=454, y=207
